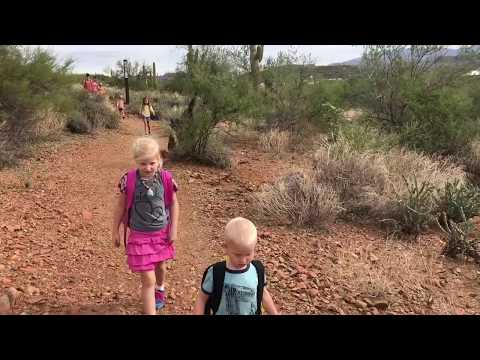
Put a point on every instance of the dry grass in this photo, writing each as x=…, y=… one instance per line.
x=50, y=123
x=392, y=269
x=275, y=141
x=472, y=161
x=296, y=199
x=369, y=182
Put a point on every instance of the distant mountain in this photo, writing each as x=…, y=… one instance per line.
x=449, y=53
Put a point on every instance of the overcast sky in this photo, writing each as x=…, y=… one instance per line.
x=95, y=58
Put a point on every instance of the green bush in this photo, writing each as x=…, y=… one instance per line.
x=363, y=136
x=441, y=122
x=31, y=83
x=91, y=112
x=458, y=200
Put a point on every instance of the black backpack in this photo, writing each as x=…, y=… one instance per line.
x=213, y=303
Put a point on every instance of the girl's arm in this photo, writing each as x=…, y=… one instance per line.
x=199, y=308
x=174, y=213
x=268, y=303
x=118, y=208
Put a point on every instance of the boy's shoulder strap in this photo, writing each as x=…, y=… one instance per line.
x=213, y=302
x=261, y=283
x=167, y=186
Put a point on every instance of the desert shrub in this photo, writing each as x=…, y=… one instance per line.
x=78, y=124
x=296, y=199
x=362, y=135
x=459, y=200
x=372, y=183
x=91, y=112
x=414, y=210
x=275, y=141
x=459, y=240
x=32, y=84
x=216, y=153
x=471, y=160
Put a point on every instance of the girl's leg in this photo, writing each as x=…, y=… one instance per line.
x=145, y=125
x=160, y=271
x=148, y=123
x=148, y=292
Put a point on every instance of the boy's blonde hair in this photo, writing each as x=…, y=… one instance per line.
x=145, y=147
x=241, y=231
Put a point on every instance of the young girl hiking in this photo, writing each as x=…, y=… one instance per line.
x=121, y=106
x=147, y=112
x=148, y=206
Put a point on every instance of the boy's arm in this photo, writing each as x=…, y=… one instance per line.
x=268, y=303
x=199, y=308
x=175, y=210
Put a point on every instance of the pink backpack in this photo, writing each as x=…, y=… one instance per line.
x=166, y=177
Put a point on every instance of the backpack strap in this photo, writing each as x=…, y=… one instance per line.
x=130, y=193
x=167, y=187
x=213, y=302
x=261, y=283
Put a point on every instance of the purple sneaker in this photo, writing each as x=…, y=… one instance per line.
x=159, y=299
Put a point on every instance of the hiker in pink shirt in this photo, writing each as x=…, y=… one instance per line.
x=87, y=83
x=148, y=206
x=94, y=87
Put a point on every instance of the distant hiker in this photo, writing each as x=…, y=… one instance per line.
x=94, y=85
x=236, y=286
x=121, y=106
x=148, y=206
x=87, y=83
x=101, y=89
x=146, y=112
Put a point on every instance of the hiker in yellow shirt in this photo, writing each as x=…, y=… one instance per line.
x=147, y=112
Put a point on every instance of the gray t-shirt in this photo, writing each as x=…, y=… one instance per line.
x=239, y=296
x=148, y=211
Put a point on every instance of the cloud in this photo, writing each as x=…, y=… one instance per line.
x=95, y=58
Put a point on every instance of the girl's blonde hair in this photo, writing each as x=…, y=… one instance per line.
x=145, y=147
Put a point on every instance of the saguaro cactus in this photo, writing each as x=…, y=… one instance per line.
x=256, y=56
x=154, y=76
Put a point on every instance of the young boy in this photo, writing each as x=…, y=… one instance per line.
x=236, y=286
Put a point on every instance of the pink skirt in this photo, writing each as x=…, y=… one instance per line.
x=145, y=250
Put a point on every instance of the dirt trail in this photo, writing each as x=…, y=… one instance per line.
x=56, y=235
x=56, y=248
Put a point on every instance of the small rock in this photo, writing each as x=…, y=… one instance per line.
x=374, y=311
x=87, y=215
x=5, y=307
x=313, y=293
x=13, y=294
x=31, y=290
x=380, y=304
x=361, y=304
x=373, y=258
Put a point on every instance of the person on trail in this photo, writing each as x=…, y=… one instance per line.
x=94, y=85
x=148, y=206
x=146, y=111
x=236, y=286
x=87, y=83
x=101, y=89
x=121, y=106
